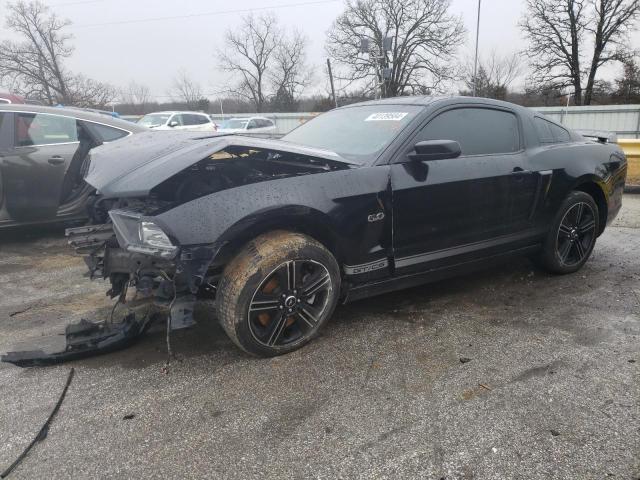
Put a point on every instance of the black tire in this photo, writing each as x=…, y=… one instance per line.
x=572, y=235
x=277, y=293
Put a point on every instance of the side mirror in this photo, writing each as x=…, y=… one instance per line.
x=435, y=150
x=173, y=123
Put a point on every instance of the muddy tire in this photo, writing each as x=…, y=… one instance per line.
x=572, y=236
x=277, y=293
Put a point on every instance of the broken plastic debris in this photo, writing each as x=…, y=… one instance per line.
x=84, y=339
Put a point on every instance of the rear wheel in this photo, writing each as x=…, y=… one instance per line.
x=277, y=293
x=572, y=236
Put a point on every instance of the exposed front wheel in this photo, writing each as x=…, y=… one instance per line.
x=572, y=236
x=277, y=293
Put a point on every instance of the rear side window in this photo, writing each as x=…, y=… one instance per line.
x=543, y=130
x=479, y=131
x=106, y=134
x=559, y=133
x=41, y=129
x=549, y=132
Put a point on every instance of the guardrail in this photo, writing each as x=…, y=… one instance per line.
x=631, y=148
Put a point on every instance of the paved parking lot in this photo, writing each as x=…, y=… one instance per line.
x=510, y=373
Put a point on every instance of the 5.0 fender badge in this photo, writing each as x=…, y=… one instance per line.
x=376, y=217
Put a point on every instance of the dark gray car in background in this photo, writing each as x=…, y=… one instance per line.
x=42, y=160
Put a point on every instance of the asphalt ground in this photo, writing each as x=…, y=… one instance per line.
x=509, y=373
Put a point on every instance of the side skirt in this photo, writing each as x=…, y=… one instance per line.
x=434, y=275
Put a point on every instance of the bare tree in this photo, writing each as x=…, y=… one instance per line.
x=425, y=38
x=559, y=32
x=136, y=94
x=34, y=65
x=628, y=84
x=86, y=92
x=248, y=52
x=612, y=21
x=289, y=73
x=186, y=90
x=494, y=76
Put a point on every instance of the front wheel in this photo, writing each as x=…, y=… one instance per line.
x=572, y=236
x=277, y=293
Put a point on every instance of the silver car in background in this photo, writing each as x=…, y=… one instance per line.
x=190, y=121
x=248, y=125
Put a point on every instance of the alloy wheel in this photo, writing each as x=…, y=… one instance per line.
x=289, y=303
x=576, y=234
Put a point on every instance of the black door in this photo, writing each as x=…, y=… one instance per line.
x=34, y=167
x=456, y=209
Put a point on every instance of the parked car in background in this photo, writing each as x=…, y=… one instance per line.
x=42, y=158
x=191, y=121
x=247, y=125
x=9, y=98
x=361, y=200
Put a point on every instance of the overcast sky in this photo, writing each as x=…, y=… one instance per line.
x=151, y=52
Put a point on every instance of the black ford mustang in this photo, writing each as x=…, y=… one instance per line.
x=361, y=200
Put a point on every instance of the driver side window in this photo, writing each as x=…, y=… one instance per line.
x=479, y=131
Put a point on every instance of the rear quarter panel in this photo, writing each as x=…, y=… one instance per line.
x=577, y=163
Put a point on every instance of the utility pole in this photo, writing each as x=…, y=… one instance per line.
x=333, y=89
x=475, y=63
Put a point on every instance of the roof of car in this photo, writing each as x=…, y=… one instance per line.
x=12, y=97
x=75, y=113
x=171, y=112
x=248, y=118
x=424, y=100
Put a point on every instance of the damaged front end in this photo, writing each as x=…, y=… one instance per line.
x=141, y=182
x=134, y=251
x=131, y=252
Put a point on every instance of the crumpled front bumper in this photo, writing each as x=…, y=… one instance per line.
x=85, y=339
x=170, y=283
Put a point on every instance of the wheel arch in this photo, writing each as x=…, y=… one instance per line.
x=294, y=218
x=593, y=187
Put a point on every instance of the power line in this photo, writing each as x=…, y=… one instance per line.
x=80, y=2
x=205, y=14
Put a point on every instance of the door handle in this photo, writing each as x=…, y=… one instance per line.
x=56, y=160
x=520, y=171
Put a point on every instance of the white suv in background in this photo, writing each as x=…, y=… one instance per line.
x=247, y=125
x=192, y=121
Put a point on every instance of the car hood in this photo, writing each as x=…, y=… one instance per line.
x=131, y=167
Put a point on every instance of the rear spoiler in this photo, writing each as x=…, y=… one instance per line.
x=600, y=136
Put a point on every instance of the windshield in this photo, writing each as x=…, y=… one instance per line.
x=234, y=123
x=355, y=133
x=154, y=120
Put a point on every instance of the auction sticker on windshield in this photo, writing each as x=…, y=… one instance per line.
x=386, y=117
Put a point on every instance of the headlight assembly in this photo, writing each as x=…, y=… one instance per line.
x=141, y=235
